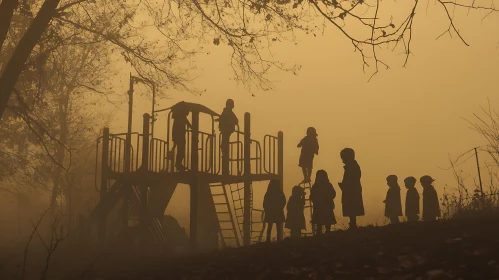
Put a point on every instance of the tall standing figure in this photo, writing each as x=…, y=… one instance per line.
x=295, y=220
x=431, y=206
x=351, y=188
x=227, y=125
x=273, y=206
x=180, y=123
x=411, y=200
x=309, y=147
x=322, y=196
x=393, y=203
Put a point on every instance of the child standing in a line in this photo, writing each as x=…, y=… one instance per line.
x=411, y=200
x=431, y=206
x=309, y=147
x=295, y=220
x=393, y=204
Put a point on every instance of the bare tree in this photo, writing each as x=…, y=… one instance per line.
x=248, y=26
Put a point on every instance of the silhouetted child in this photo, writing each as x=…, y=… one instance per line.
x=273, y=206
x=322, y=196
x=393, y=203
x=180, y=122
x=295, y=220
x=351, y=188
x=411, y=200
x=431, y=206
x=309, y=147
x=227, y=125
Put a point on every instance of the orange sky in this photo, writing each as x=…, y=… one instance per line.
x=405, y=121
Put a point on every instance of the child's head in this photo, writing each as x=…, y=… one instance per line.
x=347, y=155
x=229, y=104
x=274, y=186
x=297, y=191
x=426, y=181
x=321, y=177
x=311, y=132
x=410, y=182
x=392, y=180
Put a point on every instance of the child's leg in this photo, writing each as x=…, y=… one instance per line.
x=318, y=229
x=394, y=220
x=304, y=170
x=328, y=228
x=353, y=221
x=279, y=230
x=269, y=231
x=295, y=233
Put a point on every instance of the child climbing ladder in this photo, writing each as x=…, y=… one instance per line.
x=309, y=148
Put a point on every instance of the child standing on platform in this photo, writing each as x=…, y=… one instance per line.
x=309, y=148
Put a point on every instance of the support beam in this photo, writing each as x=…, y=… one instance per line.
x=280, y=164
x=103, y=182
x=144, y=219
x=128, y=140
x=194, y=182
x=247, y=181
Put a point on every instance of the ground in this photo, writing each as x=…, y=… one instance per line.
x=465, y=249
x=430, y=250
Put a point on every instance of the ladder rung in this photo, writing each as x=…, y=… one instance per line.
x=230, y=237
x=217, y=194
x=222, y=212
x=220, y=203
x=226, y=229
x=225, y=221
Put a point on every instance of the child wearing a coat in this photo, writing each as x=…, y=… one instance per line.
x=273, y=206
x=295, y=220
x=351, y=188
x=322, y=196
x=411, y=200
x=393, y=204
x=431, y=206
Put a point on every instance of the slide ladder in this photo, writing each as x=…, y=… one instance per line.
x=307, y=187
x=226, y=222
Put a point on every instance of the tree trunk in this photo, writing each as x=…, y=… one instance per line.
x=16, y=63
x=7, y=8
x=60, y=154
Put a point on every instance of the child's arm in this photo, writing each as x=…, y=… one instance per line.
x=300, y=144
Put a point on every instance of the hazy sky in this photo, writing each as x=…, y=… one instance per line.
x=406, y=121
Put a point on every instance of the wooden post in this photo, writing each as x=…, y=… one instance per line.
x=280, y=165
x=103, y=182
x=247, y=181
x=479, y=175
x=194, y=182
x=144, y=221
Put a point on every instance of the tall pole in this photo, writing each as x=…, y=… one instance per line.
x=103, y=182
x=144, y=221
x=194, y=183
x=153, y=118
x=247, y=181
x=280, y=164
x=479, y=175
x=128, y=140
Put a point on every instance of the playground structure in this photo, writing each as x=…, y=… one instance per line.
x=137, y=178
